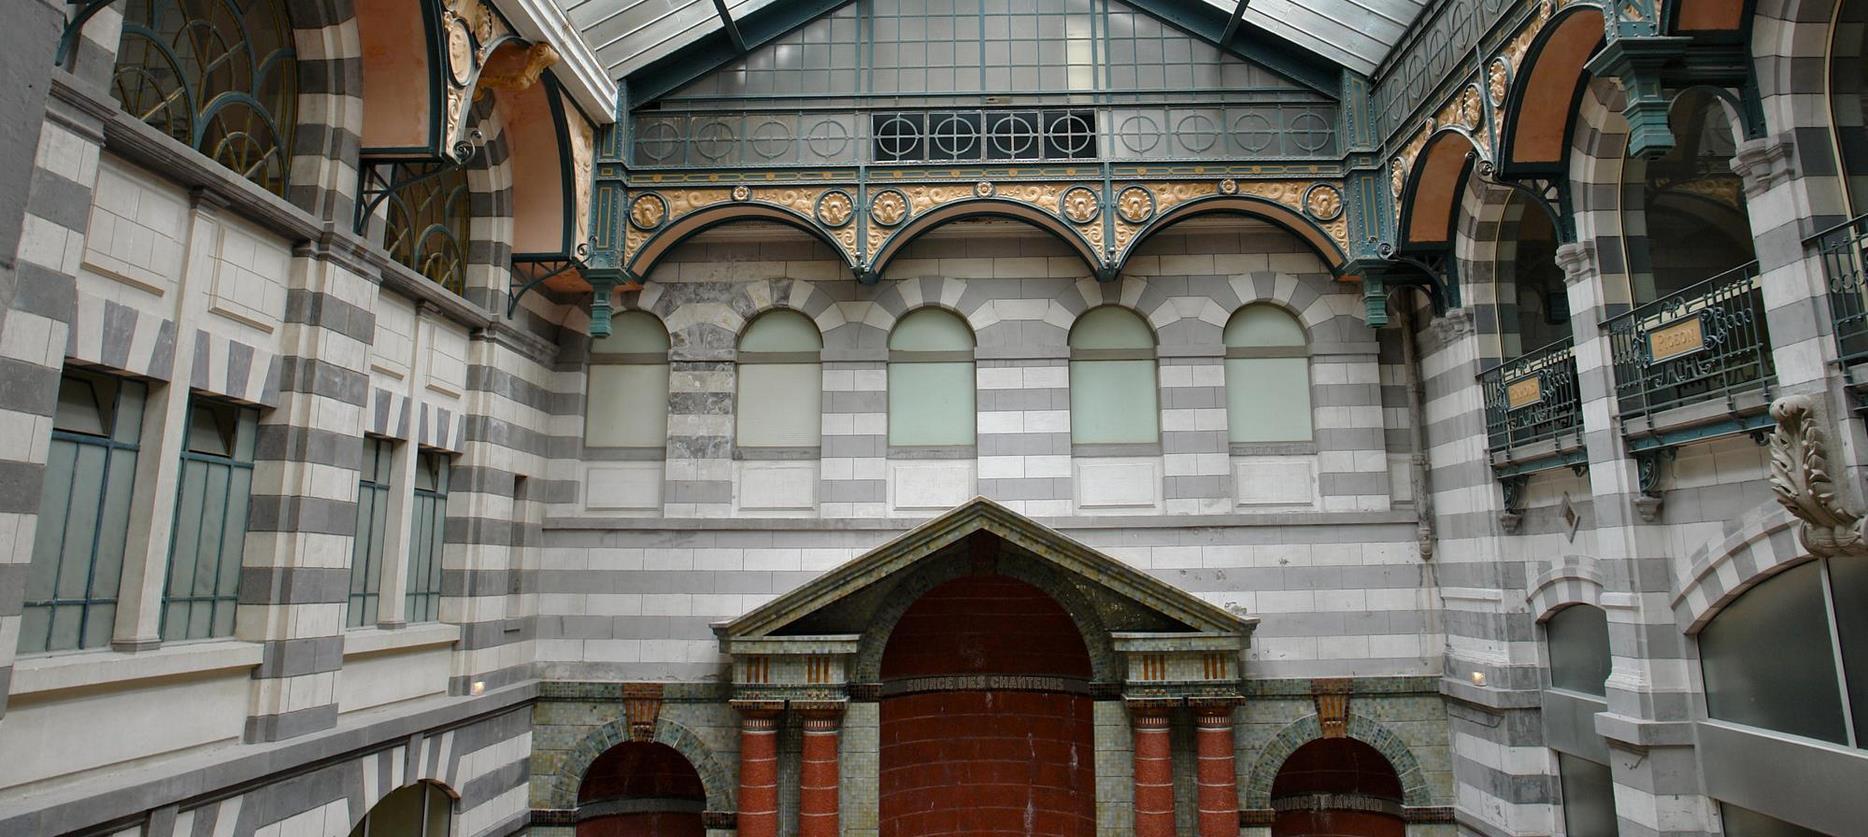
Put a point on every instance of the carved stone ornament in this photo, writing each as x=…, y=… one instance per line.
x=647, y=212
x=1498, y=81
x=1079, y=205
x=1397, y=177
x=983, y=188
x=743, y=192
x=1229, y=186
x=1800, y=479
x=889, y=208
x=1323, y=202
x=642, y=703
x=512, y=68
x=834, y=208
x=1135, y=205
x=1332, y=698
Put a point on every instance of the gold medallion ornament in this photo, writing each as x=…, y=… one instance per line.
x=983, y=188
x=1229, y=186
x=1135, y=205
x=1470, y=112
x=889, y=208
x=647, y=212
x=1323, y=202
x=1079, y=205
x=1498, y=81
x=742, y=193
x=835, y=208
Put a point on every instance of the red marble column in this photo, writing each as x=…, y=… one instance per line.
x=818, y=789
x=1216, y=777
x=1154, y=767
x=758, y=767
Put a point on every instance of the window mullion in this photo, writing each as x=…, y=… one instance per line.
x=1835, y=648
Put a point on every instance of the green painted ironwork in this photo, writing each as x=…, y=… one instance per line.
x=218, y=75
x=1703, y=343
x=1549, y=404
x=1845, y=266
x=429, y=216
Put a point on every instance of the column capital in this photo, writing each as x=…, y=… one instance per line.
x=752, y=712
x=821, y=715
x=1578, y=260
x=1151, y=712
x=1763, y=163
x=1215, y=711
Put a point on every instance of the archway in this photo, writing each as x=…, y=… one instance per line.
x=641, y=789
x=986, y=715
x=1337, y=787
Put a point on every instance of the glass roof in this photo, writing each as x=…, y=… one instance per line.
x=628, y=35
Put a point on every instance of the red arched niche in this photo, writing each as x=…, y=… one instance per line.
x=641, y=789
x=961, y=752
x=1337, y=787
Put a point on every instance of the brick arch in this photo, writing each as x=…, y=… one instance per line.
x=1105, y=665
x=1764, y=545
x=898, y=298
x=364, y=794
x=1575, y=580
x=1415, y=792
x=719, y=783
x=1297, y=297
x=750, y=299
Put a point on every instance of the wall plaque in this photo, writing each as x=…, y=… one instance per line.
x=1680, y=337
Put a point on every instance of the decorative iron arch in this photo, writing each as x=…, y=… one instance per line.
x=719, y=783
x=1430, y=198
x=673, y=233
x=1304, y=227
x=1415, y=792
x=1554, y=68
x=981, y=207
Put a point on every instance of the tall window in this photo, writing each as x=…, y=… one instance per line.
x=1588, y=797
x=931, y=380
x=218, y=75
x=1770, y=657
x=627, y=404
x=1578, y=641
x=1688, y=202
x=429, y=528
x=419, y=810
x=210, y=521
x=780, y=382
x=1267, y=376
x=84, y=514
x=1113, y=397
x=366, y=554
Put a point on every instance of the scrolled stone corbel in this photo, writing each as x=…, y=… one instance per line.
x=1800, y=479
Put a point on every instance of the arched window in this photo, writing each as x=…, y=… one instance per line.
x=1337, y=786
x=1687, y=208
x=627, y=401
x=931, y=380
x=1113, y=396
x=1267, y=376
x=423, y=809
x=218, y=75
x=430, y=222
x=780, y=384
x=1534, y=302
x=1577, y=639
x=641, y=788
x=1769, y=657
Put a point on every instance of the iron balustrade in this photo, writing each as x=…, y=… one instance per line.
x=1533, y=398
x=1703, y=342
x=1845, y=267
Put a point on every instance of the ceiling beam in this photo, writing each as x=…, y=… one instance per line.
x=732, y=28
x=1251, y=43
x=1232, y=26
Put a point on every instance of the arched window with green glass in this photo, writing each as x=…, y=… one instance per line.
x=430, y=220
x=931, y=384
x=1576, y=640
x=1267, y=376
x=1113, y=391
x=626, y=405
x=1770, y=657
x=781, y=386
x=220, y=76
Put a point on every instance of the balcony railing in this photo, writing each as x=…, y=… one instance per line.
x=1845, y=265
x=1531, y=399
x=1702, y=345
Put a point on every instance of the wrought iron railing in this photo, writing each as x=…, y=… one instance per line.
x=1845, y=266
x=1533, y=398
x=1278, y=128
x=1704, y=342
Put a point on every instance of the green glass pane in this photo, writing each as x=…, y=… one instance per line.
x=1742, y=822
x=931, y=403
x=114, y=529
x=439, y=806
x=781, y=330
x=212, y=529
x=1268, y=399
x=1111, y=327
x=1588, y=797
x=931, y=330
x=127, y=424
x=1848, y=583
x=210, y=430
x=1263, y=325
x=779, y=405
x=48, y=544
x=1768, y=661
x=628, y=406
x=233, y=542
x=246, y=434
x=184, y=548
x=35, y=630
x=633, y=332
x=67, y=630
x=87, y=491
x=1113, y=401
x=81, y=407
x=1578, y=640
x=99, y=622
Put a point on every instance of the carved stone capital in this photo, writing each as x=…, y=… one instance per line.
x=1800, y=479
x=1578, y=260
x=1455, y=324
x=642, y=703
x=1332, y=697
x=1762, y=164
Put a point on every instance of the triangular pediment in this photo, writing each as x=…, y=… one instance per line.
x=1128, y=600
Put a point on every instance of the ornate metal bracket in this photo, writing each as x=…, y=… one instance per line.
x=1549, y=193
x=374, y=189
x=1512, y=488
x=1436, y=272
x=1800, y=479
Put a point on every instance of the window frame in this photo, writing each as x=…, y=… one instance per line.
x=1083, y=358
x=422, y=591
x=238, y=460
x=631, y=360
x=745, y=359
x=1269, y=352
x=366, y=591
x=912, y=357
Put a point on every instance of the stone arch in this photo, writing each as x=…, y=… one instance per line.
x=1299, y=225
x=1764, y=545
x=751, y=299
x=1414, y=788
x=720, y=783
x=1575, y=580
x=1105, y=664
x=982, y=207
